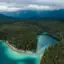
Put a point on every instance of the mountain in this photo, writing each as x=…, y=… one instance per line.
x=23, y=14
x=4, y=18
x=35, y=14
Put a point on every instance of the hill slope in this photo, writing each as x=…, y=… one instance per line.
x=54, y=54
x=27, y=14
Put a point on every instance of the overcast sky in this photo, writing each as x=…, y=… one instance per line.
x=34, y=4
x=35, y=1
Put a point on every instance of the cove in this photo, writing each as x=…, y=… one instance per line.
x=44, y=40
x=9, y=56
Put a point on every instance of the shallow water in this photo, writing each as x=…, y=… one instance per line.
x=9, y=56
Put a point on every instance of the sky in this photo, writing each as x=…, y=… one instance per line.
x=13, y=5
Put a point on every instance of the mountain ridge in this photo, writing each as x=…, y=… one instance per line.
x=27, y=14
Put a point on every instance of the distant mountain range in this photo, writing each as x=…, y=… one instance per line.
x=32, y=14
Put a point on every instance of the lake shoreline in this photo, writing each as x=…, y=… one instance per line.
x=17, y=50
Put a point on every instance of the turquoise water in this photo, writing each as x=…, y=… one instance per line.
x=43, y=42
x=9, y=56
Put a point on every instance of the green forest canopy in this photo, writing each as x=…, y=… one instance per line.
x=54, y=54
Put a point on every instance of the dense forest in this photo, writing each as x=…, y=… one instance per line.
x=54, y=54
x=22, y=34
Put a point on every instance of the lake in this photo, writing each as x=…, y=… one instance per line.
x=44, y=41
x=9, y=56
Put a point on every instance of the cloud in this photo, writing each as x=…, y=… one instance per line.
x=14, y=7
x=34, y=1
x=56, y=4
x=45, y=2
x=8, y=7
x=39, y=7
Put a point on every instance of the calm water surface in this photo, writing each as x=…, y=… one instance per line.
x=9, y=56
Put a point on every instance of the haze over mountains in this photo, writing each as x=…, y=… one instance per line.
x=27, y=14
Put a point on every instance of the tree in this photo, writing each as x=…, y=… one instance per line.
x=54, y=54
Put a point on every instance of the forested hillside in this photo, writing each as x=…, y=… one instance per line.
x=22, y=34
x=54, y=54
